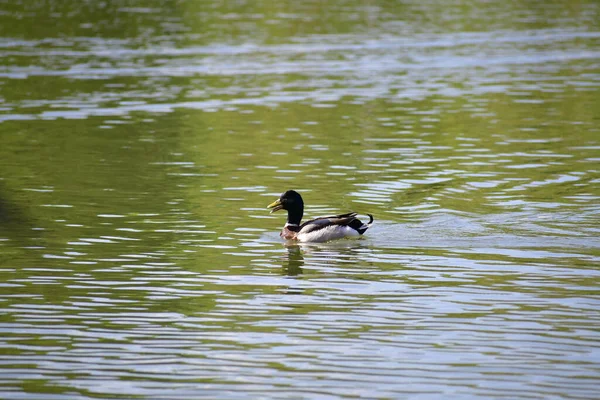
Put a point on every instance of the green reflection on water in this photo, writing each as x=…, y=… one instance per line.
x=68, y=179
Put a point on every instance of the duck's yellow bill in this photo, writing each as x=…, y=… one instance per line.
x=276, y=206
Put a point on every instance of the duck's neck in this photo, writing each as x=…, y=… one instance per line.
x=295, y=216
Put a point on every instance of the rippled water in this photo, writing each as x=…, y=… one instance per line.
x=140, y=143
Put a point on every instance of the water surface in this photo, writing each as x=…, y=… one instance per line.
x=140, y=143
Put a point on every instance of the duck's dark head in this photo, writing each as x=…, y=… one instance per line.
x=290, y=200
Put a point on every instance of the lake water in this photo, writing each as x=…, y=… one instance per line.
x=141, y=141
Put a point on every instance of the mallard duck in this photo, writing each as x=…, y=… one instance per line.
x=316, y=230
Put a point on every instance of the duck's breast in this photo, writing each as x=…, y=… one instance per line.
x=288, y=234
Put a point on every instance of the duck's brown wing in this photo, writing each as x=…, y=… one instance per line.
x=348, y=219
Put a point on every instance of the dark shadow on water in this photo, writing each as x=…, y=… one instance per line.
x=15, y=224
x=10, y=214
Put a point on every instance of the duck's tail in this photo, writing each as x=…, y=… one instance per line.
x=362, y=228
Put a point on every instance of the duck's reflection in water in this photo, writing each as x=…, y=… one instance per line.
x=293, y=261
x=334, y=254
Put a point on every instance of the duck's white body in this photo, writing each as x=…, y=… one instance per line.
x=331, y=232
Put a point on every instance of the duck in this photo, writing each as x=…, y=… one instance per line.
x=321, y=229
